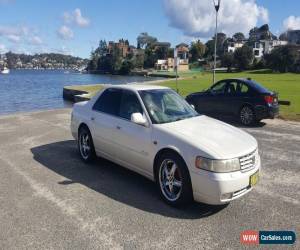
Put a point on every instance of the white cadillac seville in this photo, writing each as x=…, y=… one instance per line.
x=153, y=131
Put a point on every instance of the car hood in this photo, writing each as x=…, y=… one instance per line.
x=213, y=137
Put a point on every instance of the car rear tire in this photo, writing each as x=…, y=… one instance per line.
x=86, y=145
x=247, y=116
x=173, y=179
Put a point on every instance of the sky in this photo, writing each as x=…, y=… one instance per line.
x=75, y=27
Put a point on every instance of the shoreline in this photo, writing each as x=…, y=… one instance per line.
x=77, y=93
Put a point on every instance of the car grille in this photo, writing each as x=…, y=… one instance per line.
x=247, y=162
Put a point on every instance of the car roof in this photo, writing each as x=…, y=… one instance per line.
x=137, y=87
x=258, y=87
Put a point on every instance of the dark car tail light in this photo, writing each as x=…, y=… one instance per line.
x=269, y=99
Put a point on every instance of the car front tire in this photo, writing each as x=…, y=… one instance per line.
x=85, y=145
x=173, y=179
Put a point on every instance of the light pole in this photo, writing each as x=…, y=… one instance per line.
x=217, y=7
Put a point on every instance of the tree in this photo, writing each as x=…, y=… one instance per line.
x=144, y=40
x=150, y=58
x=116, y=59
x=197, y=50
x=239, y=36
x=171, y=52
x=126, y=67
x=161, y=52
x=102, y=48
x=283, y=59
x=227, y=60
x=93, y=63
x=210, y=45
x=243, y=57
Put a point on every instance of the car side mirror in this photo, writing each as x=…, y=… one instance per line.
x=139, y=119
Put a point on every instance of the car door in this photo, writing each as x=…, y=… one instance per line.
x=104, y=121
x=132, y=141
x=215, y=103
x=246, y=96
x=231, y=98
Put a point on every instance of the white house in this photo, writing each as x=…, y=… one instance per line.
x=232, y=46
x=258, y=50
x=266, y=46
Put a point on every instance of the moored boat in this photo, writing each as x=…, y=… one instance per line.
x=4, y=71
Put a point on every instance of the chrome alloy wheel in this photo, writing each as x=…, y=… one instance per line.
x=170, y=180
x=84, y=145
x=246, y=115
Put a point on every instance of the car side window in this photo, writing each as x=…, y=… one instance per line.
x=129, y=104
x=109, y=101
x=231, y=88
x=243, y=89
x=219, y=88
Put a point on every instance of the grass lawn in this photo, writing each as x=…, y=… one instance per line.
x=287, y=85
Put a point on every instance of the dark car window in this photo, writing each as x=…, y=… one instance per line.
x=244, y=89
x=109, y=101
x=258, y=87
x=231, y=88
x=129, y=104
x=218, y=88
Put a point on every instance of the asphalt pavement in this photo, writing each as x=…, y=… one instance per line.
x=49, y=199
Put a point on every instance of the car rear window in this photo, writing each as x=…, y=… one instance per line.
x=109, y=101
x=257, y=86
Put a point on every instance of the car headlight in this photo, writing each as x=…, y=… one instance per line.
x=218, y=166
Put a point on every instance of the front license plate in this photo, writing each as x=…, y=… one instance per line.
x=254, y=179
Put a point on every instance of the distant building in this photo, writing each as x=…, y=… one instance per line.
x=258, y=50
x=169, y=63
x=183, y=57
x=266, y=46
x=291, y=36
x=165, y=64
x=122, y=45
x=233, y=45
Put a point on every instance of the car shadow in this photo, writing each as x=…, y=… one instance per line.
x=234, y=122
x=113, y=181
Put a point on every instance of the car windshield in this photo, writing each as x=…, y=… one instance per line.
x=165, y=105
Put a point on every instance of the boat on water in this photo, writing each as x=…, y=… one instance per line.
x=4, y=71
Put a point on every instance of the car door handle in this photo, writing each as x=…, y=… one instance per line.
x=118, y=127
x=92, y=118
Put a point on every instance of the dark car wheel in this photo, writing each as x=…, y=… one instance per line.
x=247, y=116
x=86, y=145
x=173, y=179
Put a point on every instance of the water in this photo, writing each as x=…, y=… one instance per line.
x=28, y=90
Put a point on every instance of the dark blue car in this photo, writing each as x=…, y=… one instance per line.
x=242, y=98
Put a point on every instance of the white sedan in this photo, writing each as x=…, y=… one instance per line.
x=153, y=131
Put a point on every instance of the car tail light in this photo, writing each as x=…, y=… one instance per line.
x=269, y=99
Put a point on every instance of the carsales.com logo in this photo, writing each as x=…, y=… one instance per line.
x=252, y=237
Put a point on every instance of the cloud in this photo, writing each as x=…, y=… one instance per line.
x=12, y=30
x=2, y=48
x=291, y=23
x=75, y=17
x=13, y=38
x=63, y=50
x=14, y=34
x=65, y=33
x=197, y=18
x=36, y=40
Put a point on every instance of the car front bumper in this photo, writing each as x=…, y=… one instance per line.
x=221, y=188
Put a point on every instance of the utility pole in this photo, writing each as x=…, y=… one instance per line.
x=217, y=7
x=176, y=68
